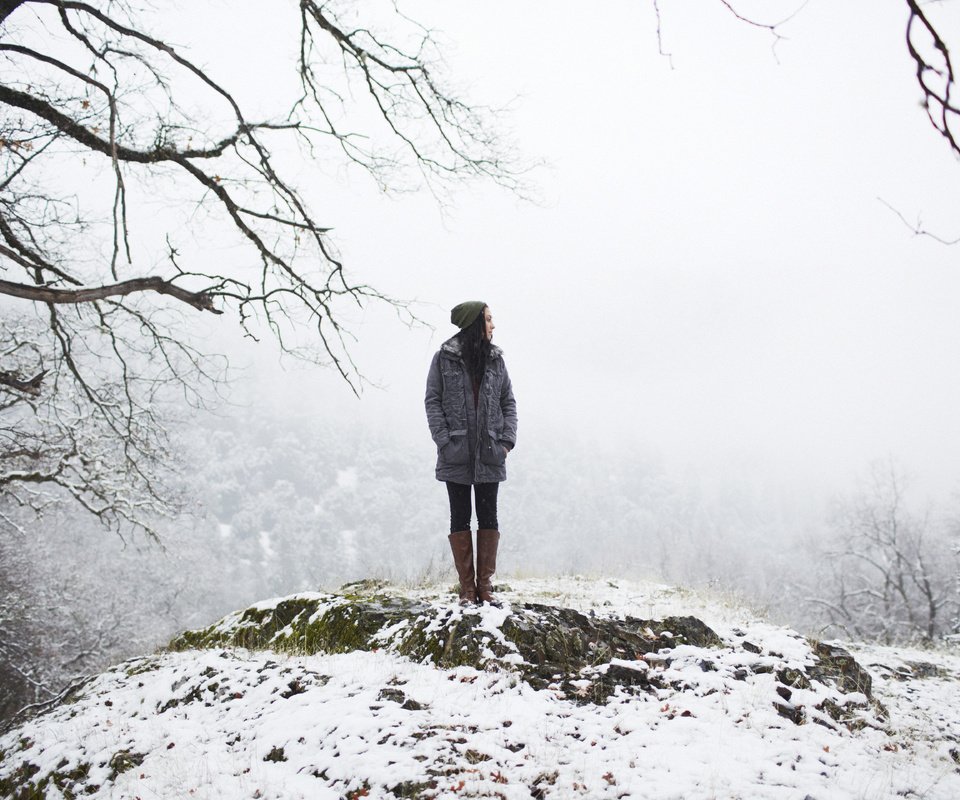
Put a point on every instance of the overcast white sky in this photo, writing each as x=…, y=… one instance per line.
x=710, y=275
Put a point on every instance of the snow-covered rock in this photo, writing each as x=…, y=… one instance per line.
x=575, y=688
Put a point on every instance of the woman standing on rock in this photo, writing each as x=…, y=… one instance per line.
x=473, y=421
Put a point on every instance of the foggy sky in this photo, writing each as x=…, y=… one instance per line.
x=710, y=275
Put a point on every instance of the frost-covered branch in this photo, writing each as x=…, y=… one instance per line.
x=98, y=119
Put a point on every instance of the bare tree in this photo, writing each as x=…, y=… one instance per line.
x=888, y=572
x=98, y=116
x=72, y=602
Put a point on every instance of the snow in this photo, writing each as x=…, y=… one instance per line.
x=212, y=724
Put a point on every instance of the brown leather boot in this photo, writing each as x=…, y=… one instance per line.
x=487, y=541
x=461, y=543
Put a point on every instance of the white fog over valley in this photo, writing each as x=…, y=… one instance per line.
x=734, y=356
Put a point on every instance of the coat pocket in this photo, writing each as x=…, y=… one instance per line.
x=456, y=451
x=492, y=451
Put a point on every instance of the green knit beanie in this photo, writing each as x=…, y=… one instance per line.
x=465, y=313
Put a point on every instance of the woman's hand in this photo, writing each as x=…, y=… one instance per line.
x=506, y=450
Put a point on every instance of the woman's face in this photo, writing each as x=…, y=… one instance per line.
x=488, y=324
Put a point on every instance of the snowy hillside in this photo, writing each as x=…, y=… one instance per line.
x=532, y=700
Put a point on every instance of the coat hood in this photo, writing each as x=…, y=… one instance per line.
x=454, y=347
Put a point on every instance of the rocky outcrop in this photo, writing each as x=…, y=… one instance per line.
x=583, y=657
x=412, y=695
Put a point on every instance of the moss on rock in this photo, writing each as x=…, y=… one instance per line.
x=23, y=783
x=584, y=656
x=124, y=760
x=837, y=666
x=544, y=644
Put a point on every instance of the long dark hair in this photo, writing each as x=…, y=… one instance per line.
x=475, y=347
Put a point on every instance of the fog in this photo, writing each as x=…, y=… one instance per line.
x=711, y=274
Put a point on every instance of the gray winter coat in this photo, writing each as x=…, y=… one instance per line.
x=470, y=440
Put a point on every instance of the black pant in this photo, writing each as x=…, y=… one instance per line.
x=486, y=495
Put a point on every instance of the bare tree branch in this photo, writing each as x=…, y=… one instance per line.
x=45, y=294
x=936, y=80
x=7, y=7
x=87, y=138
x=29, y=386
x=918, y=228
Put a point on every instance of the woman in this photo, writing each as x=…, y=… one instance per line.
x=473, y=420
